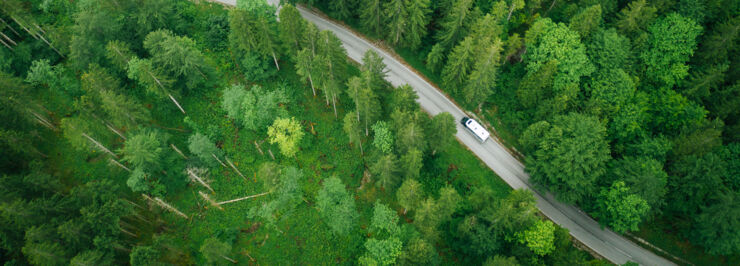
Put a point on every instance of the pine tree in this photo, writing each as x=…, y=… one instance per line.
x=371, y=15
x=454, y=26
x=586, y=21
x=418, y=19
x=396, y=20
x=306, y=67
x=459, y=65
x=290, y=29
x=353, y=130
x=483, y=77
x=386, y=171
x=409, y=195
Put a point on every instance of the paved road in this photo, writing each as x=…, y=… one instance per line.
x=608, y=244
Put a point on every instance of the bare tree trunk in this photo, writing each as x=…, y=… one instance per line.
x=258, y=147
x=244, y=198
x=127, y=232
x=164, y=205
x=8, y=38
x=229, y=259
x=176, y=103
x=511, y=10
x=276, y=62
x=115, y=131
x=178, y=151
x=551, y=5
x=43, y=120
x=9, y=27
x=209, y=200
x=310, y=80
x=334, y=103
x=6, y=45
x=219, y=161
x=271, y=155
x=198, y=179
x=367, y=132
x=359, y=141
x=119, y=164
x=100, y=145
x=234, y=167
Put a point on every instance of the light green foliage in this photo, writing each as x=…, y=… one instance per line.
x=396, y=18
x=547, y=41
x=404, y=98
x=138, y=181
x=93, y=28
x=644, y=176
x=386, y=171
x=384, y=220
x=287, y=133
x=568, y=155
x=586, y=21
x=352, y=128
x=539, y=238
x=42, y=73
x=254, y=28
x=448, y=202
x=436, y=57
x=410, y=194
x=427, y=219
x=305, y=67
x=441, y=132
x=635, y=17
x=620, y=209
x=155, y=81
x=411, y=163
x=214, y=250
x=381, y=252
x=336, y=206
x=254, y=109
x=269, y=174
x=374, y=68
x=178, y=56
x=371, y=15
x=630, y=121
x=672, y=42
x=411, y=137
x=144, y=149
x=535, y=89
x=286, y=195
x=382, y=137
x=201, y=146
x=119, y=53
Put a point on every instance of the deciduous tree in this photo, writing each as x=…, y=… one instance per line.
x=287, y=133
x=620, y=209
x=336, y=206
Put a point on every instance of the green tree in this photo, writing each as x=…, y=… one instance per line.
x=92, y=29
x=254, y=28
x=411, y=163
x=352, y=128
x=285, y=196
x=671, y=43
x=411, y=137
x=383, y=137
x=305, y=67
x=717, y=227
x=483, y=76
x=404, y=98
x=409, y=195
x=384, y=221
x=144, y=149
x=201, y=146
x=381, y=252
x=568, y=155
x=336, y=206
x=418, y=19
x=371, y=15
x=287, y=133
x=644, y=176
x=332, y=64
x=539, y=238
x=374, y=70
x=714, y=48
x=449, y=201
x=610, y=89
x=442, y=130
x=343, y=9
x=427, y=218
x=215, y=250
x=144, y=255
x=290, y=30
x=586, y=21
x=386, y=170
x=635, y=17
x=608, y=49
x=269, y=174
x=119, y=53
x=178, y=56
x=396, y=18
x=45, y=253
x=461, y=62
x=454, y=25
x=419, y=252
x=436, y=57
x=620, y=209
x=254, y=109
x=92, y=257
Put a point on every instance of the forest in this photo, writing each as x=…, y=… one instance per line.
x=161, y=132
x=628, y=109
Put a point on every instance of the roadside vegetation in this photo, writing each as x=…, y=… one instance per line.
x=628, y=109
x=166, y=132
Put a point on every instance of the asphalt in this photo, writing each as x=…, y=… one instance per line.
x=604, y=242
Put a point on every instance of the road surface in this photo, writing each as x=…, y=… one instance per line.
x=606, y=243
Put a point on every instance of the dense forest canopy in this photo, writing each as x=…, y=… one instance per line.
x=157, y=132
x=629, y=109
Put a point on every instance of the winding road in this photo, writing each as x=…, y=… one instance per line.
x=606, y=243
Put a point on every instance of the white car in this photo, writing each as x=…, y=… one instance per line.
x=477, y=129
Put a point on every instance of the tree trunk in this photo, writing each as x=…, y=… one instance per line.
x=166, y=206
x=276, y=62
x=198, y=179
x=209, y=200
x=9, y=27
x=178, y=151
x=271, y=155
x=367, y=132
x=511, y=10
x=551, y=5
x=334, y=103
x=243, y=198
x=6, y=45
x=234, y=167
x=8, y=38
x=310, y=80
x=229, y=259
x=361, y=151
x=176, y=103
x=219, y=161
x=119, y=165
x=258, y=148
x=106, y=150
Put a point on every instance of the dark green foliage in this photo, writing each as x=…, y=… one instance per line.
x=672, y=41
x=619, y=208
x=337, y=206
